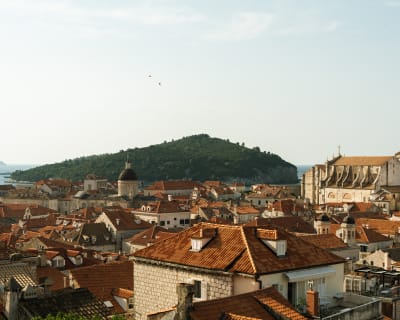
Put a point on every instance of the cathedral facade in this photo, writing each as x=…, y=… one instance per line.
x=350, y=179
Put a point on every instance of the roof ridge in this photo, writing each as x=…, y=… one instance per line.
x=248, y=249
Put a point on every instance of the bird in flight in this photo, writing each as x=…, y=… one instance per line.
x=149, y=75
x=159, y=83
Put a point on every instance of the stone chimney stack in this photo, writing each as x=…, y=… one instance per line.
x=312, y=302
x=47, y=284
x=185, y=293
x=12, y=295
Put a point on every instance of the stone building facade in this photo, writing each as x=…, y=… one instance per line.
x=225, y=260
x=162, y=278
x=127, y=182
x=350, y=179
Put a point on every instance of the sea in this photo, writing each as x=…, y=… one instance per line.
x=6, y=170
x=301, y=169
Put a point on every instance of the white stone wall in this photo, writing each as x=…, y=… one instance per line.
x=394, y=172
x=310, y=184
x=258, y=202
x=174, y=218
x=379, y=259
x=155, y=286
x=333, y=283
x=345, y=195
x=127, y=188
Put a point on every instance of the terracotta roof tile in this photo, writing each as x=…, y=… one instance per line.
x=325, y=241
x=247, y=210
x=173, y=185
x=263, y=304
x=289, y=223
x=160, y=207
x=237, y=249
x=150, y=236
x=385, y=227
x=123, y=293
x=126, y=221
x=362, y=161
x=102, y=279
x=55, y=275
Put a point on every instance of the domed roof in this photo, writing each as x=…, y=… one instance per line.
x=127, y=174
x=349, y=220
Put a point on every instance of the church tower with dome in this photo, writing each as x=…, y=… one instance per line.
x=127, y=182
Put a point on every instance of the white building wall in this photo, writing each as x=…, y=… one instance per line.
x=345, y=195
x=162, y=219
x=333, y=283
x=394, y=172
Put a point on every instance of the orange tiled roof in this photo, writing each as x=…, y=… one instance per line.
x=18, y=210
x=247, y=210
x=55, y=182
x=325, y=241
x=367, y=235
x=237, y=249
x=161, y=207
x=362, y=161
x=123, y=293
x=386, y=227
x=289, y=223
x=126, y=221
x=173, y=185
x=362, y=206
x=151, y=235
x=252, y=305
x=212, y=183
x=55, y=275
x=102, y=279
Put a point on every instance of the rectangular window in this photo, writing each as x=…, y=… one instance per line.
x=162, y=223
x=197, y=289
x=187, y=221
x=182, y=221
x=348, y=285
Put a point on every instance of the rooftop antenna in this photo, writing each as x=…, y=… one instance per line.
x=339, y=150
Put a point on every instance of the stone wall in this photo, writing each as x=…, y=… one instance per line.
x=155, y=286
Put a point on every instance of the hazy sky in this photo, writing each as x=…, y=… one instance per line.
x=297, y=78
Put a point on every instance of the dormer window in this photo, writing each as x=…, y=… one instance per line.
x=273, y=240
x=58, y=262
x=201, y=238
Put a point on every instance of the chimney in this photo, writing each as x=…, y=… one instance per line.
x=42, y=258
x=11, y=298
x=117, y=221
x=47, y=284
x=185, y=293
x=312, y=303
x=170, y=198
